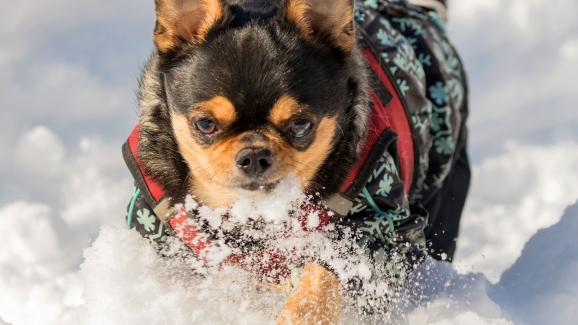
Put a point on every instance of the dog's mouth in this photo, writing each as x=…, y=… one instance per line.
x=259, y=187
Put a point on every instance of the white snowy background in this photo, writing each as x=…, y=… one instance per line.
x=68, y=72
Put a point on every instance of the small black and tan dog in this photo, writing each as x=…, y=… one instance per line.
x=365, y=107
x=249, y=92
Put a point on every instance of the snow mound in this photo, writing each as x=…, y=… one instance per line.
x=541, y=287
x=514, y=194
x=440, y=295
x=125, y=281
x=33, y=288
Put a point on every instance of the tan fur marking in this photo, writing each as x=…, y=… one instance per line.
x=187, y=19
x=284, y=109
x=305, y=164
x=211, y=167
x=220, y=108
x=309, y=161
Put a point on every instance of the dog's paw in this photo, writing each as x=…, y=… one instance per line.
x=315, y=300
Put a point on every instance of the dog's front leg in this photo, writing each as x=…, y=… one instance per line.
x=315, y=300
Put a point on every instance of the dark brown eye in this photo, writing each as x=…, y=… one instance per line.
x=301, y=128
x=206, y=125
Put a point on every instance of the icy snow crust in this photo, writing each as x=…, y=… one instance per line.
x=126, y=282
x=270, y=236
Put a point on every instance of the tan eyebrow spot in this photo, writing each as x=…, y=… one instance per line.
x=220, y=108
x=285, y=108
x=311, y=159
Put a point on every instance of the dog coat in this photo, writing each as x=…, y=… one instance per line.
x=416, y=134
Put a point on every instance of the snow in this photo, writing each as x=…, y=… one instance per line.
x=545, y=276
x=31, y=273
x=142, y=288
x=63, y=190
x=122, y=281
x=514, y=194
x=213, y=216
x=272, y=207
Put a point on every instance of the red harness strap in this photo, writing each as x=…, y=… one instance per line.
x=271, y=264
x=155, y=188
x=393, y=116
x=187, y=232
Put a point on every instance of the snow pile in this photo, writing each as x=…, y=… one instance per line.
x=30, y=265
x=514, y=194
x=442, y=296
x=125, y=281
x=53, y=200
x=541, y=287
x=271, y=235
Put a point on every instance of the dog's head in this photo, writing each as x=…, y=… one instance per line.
x=258, y=90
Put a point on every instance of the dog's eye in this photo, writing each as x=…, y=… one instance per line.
x=301, y=128
x=206, y=125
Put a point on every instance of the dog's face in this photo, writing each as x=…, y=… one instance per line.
x=256, y=92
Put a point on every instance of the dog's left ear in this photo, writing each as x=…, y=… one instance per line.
x=184, y=21
x=328, y=18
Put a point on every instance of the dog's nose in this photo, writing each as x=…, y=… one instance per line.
x=254, y=162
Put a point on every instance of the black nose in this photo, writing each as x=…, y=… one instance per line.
x=254, y=162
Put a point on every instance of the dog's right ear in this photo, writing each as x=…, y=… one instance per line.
x=184, y=21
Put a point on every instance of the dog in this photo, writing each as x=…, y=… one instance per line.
x=365, y=104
